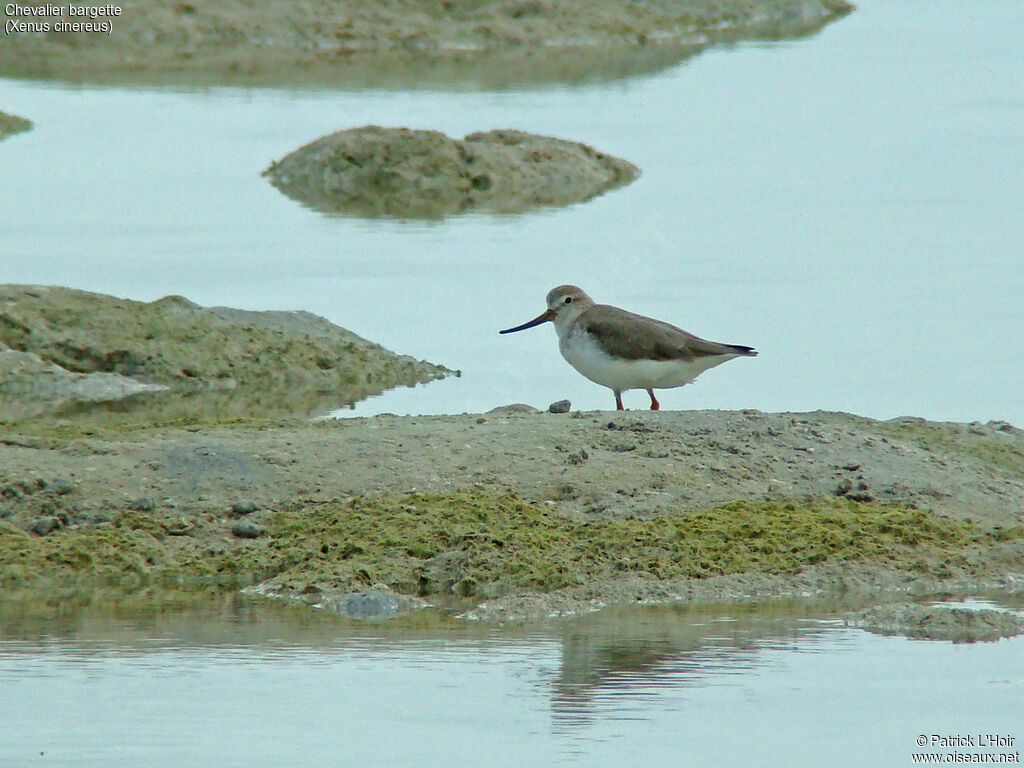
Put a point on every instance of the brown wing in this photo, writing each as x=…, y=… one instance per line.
x=632, y=337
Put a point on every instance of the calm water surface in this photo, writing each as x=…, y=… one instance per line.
x=849, y=203
x=783, y=687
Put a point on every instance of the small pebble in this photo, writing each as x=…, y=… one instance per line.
x=246, y=529
x=244, y=507
x=560, y=406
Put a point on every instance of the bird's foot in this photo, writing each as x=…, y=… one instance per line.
x=655, y=405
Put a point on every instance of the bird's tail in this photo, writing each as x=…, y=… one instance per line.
x=742, y=350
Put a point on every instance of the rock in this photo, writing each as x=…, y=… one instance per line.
x=45, y=524
x=560, y=406
x=246, y=529
x=378, y=602
x=514, y=408
x=938, y=622
x=244, y=507
x=142, y=504
x=374, y=604
x=374, y=171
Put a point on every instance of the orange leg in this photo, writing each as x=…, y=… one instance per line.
x=618, y=400
x=655, y=405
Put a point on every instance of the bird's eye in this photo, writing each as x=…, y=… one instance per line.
x=568, y=299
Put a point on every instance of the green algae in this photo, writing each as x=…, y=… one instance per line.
x=477, y=544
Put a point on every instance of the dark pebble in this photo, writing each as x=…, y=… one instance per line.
x=246, y=529
x=560, y=406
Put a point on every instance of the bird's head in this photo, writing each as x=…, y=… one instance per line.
x=565, y=303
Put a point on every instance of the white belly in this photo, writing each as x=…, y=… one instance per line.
x=583, y=354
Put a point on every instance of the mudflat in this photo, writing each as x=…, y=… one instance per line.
x=516, y=517
x=405, y=43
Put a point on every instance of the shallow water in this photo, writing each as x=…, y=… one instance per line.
x=847, y=203
x=264, y=685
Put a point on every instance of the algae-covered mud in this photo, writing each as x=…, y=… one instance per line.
x=62, y=350
x=375, y=171
x=12, y=124
x=492, y=43
x=517, y=517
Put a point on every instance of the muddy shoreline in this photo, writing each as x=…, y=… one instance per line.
x=63, y=351
x=390, y=514
x=410, y=43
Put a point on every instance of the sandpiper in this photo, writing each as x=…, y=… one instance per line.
x=622, y=350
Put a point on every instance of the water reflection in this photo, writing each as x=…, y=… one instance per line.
x=609, y=653
x=256, y=683
x=626, y=653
